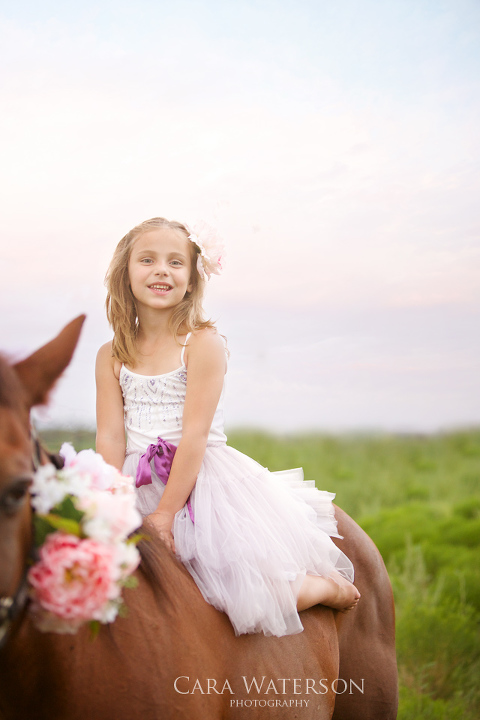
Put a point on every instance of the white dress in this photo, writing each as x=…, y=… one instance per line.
x=249, y=536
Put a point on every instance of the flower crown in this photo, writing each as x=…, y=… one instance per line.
x=84, y=516
x=209, y=261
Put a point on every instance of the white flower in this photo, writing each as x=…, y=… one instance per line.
x=122, y=485
x=209, y=261
x=127, y=558
x=107, y=613
x=48, y=622
x=98, y=474
x=68, y=453
x=47, y=491
x=109, y=518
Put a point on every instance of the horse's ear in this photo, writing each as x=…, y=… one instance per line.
x=39, y=372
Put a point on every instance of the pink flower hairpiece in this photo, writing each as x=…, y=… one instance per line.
x=209, y=261
x=84, y=516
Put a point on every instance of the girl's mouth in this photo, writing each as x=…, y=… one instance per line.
x=160, y=287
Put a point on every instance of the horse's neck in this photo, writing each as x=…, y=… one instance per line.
x=44, y=675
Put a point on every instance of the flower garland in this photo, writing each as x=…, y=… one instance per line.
x=211, y=247
x=84, y=517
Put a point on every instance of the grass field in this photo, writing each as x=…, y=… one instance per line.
x=418, y=497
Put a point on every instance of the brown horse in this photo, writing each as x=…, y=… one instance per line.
x=174, y=656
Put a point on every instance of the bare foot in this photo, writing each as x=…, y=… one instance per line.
x=334, y=592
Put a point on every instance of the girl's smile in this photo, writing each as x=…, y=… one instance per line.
x=160, y=289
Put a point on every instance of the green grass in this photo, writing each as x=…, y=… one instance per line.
x=418, y=497
x=80, y=439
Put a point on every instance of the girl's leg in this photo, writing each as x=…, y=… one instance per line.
x=336, y=593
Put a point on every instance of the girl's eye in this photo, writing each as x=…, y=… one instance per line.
x=146, y=261
x=176, y=262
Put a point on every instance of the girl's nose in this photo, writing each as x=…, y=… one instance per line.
x=161, y=269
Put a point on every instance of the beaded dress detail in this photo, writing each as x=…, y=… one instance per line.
x=255, y=533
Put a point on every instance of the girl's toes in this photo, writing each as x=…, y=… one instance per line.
x=352, y=606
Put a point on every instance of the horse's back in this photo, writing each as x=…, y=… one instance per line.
x=368, y=686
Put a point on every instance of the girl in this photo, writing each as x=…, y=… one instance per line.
x=256, y=543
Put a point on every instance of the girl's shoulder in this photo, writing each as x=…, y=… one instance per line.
x=205, y=342
x=205, y=338
x=106, y=361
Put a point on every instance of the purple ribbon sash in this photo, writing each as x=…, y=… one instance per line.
x=162, y=454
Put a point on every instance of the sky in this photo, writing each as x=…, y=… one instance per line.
x=335, y=146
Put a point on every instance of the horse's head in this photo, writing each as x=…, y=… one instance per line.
x=21, y=387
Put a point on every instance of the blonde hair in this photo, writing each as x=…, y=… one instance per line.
x=120, y=303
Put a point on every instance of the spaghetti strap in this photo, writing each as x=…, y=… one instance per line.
x=182, y=356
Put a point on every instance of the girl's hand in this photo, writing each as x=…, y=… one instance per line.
x=162, y=521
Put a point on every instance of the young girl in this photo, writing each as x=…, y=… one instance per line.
x=257, y=543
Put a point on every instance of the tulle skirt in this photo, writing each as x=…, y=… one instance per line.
x=255, y=534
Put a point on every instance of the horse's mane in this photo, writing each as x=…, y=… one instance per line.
x=159, y=567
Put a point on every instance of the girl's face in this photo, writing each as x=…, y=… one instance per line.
x=159, y=269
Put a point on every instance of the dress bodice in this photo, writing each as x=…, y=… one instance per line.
x=153, y=408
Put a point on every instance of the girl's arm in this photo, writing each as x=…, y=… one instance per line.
x=110, y=424
x=206, y=370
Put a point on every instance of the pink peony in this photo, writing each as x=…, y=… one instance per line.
x=74, y=578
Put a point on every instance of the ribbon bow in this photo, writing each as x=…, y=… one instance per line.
x=162, y=454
